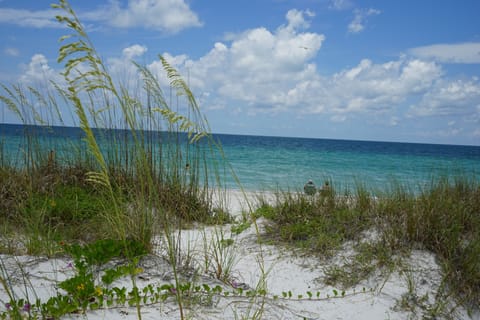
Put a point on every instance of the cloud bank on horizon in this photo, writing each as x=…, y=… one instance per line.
x=333, y=69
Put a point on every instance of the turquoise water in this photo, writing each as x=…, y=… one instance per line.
x=267, y=163
x=263, y=162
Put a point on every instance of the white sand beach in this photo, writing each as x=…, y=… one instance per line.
x=409, y=293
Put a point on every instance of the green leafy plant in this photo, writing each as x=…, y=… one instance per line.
x=84, y=285
x=240, y=227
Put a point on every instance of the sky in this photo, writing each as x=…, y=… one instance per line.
x=406, y=71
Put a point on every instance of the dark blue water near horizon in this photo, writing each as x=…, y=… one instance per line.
x=361, y=146
x=266, y=163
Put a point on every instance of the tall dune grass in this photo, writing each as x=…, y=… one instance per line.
x=142, y=168
x=445, y=219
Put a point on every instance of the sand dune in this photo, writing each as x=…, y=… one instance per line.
x=407, y=293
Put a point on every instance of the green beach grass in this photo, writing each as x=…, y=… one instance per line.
x=97, y=204
x=444, y=219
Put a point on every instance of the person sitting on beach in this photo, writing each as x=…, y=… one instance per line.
x=309, y=188
x=325, y=188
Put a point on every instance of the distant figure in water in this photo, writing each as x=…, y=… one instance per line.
x=309, y=188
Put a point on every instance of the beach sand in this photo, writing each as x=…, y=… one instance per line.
x=399, y=294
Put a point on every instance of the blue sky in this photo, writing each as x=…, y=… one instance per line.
x=364, y=70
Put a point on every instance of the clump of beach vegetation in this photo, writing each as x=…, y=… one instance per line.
x=443, y=218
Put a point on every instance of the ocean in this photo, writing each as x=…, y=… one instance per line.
x=270, y=163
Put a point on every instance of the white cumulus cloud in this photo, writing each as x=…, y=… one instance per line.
x=458, y=97
x=38, y=72
x=169, y=16
x=370, y=87
x=358, y=23
x=273, y=71
x=260, y=67
x=134, y=51
x=468, y=52
x=123, y=70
